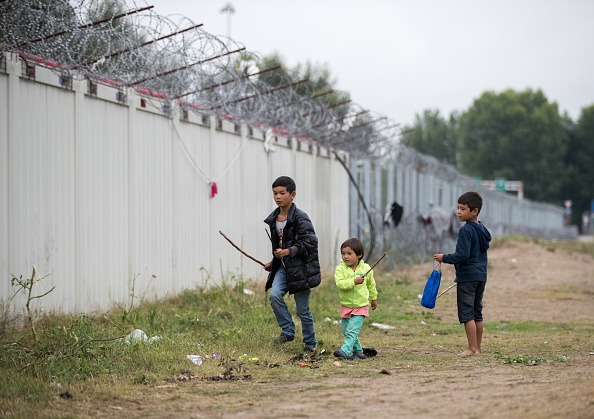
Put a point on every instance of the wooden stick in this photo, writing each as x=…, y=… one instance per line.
x=87, y=342
x=235, y=246
x=380, y=259
x=449, y=288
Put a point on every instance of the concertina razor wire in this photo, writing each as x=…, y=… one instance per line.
x=172, y=58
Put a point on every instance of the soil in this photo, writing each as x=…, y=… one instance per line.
x=526, y=282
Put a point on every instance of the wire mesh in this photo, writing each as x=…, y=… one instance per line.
x=127, y=43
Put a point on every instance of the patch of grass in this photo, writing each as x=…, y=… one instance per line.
x=528, y=360
x=551, y=245
x=568, y=291
x=520, y=359
x=78, y=353
x=502, y=241
x=527, y=326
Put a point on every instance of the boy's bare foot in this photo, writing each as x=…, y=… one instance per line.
x=467, y=352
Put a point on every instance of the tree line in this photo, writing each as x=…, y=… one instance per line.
x=516, y=135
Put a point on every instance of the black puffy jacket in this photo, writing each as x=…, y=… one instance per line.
x=303, y=270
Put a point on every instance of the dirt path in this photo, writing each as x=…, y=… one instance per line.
x=526, y=282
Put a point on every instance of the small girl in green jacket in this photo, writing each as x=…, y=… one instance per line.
x=355, y=287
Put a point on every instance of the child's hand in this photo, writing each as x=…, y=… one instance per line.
x=438, y=257
x=268, y=267
x=373, y=304
x=280, y=253
x=359, y=280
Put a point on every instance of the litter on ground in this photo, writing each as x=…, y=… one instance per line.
x=383, y=326
x=196, y=359
x=135, y=336
x=138, y=335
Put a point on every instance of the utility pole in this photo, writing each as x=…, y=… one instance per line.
x=230, y=10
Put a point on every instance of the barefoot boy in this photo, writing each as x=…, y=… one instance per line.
x=470, y=261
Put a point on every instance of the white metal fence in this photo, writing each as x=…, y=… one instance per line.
x=428, y=192
x=109, y=188
x=101, y=188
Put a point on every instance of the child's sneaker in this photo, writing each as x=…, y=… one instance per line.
x=310, y=351
x=283, y=338
x=341, y=354
x=369, y=352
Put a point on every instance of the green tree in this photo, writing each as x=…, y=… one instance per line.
x=330, y=106
x=580, y=163
x=274, y=78
x=518, y=136
x=431, y=134
x=319, y=76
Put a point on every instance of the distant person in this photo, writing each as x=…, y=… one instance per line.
x=295, y=267
x=470, y=261
x=356, y=287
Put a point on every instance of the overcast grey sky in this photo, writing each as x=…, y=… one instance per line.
x=400, y=57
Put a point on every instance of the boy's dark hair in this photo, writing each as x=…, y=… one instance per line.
x=356, y=246
x=285, y=181
x=472, y=199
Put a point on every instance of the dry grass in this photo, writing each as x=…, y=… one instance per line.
x=529, y=366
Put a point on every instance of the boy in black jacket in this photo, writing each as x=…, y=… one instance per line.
x=470, y=261
x=295, y=267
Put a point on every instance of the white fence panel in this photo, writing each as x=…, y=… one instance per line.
x=111, y=193
x=5, y=128
x=102, y=204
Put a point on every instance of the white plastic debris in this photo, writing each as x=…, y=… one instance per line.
x=154, y=339
x=513, y=260
x=328, y=320
x=136, y=336
x=196, y=359
x=419, y=295
x=335, y=322
x=422, y=322
x=383, y=326
x=248, y=292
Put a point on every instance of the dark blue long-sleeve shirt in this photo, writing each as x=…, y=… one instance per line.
x=470, y=258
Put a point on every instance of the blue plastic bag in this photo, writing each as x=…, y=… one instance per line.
x=431, y=287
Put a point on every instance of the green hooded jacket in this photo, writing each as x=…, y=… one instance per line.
x=351, y=295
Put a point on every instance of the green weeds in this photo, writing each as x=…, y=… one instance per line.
x=86, y=355
x=520, y=359
x=528, y=360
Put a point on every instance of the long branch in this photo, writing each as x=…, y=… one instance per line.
x=87, y=342
x=43, y=295
x=235, y=246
